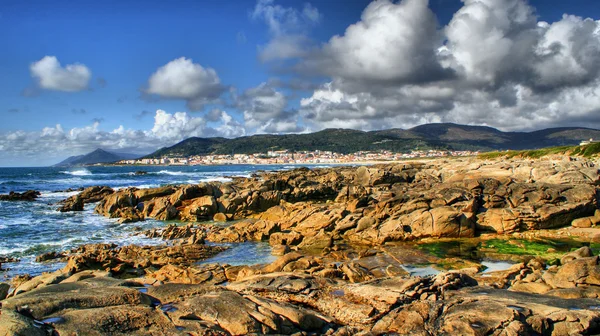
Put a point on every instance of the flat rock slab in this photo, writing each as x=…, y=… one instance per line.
x=52, y=299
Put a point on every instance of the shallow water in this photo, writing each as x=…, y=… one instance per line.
x=247, y=253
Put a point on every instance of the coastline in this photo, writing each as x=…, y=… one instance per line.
x=356, y=250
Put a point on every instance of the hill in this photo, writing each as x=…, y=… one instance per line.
x=97, y=156
x=430, y=136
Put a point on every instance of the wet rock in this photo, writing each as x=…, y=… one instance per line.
x=134, y=259
x=29, y=195
x=49, y=256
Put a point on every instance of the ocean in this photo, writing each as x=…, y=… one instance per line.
x=28, y=229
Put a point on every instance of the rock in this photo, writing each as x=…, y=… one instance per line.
x=129, y=215
x=49, y=256
x=29, y=195
x=582, y=252
x=220, y=217
x=115, y=320
x=202, y=208
x=13, y=323
x=49, y=300
x=278, y=264
x=584, y=222
x=576, y=272
x=140, y=172
x=88, y=195
x=365, y=223
x=318, y=242
x=74, y=203
x=241, y=315
x=4, y=288
x=135, y=259
x=280, y=250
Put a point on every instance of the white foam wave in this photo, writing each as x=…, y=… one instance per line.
x=6, y=251
x=216, y=179
x=78, y=172
x=57, y=194
x=174, y=173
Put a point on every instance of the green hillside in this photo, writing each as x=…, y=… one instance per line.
x=424, y=137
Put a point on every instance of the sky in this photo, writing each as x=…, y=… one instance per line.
x=131, y=76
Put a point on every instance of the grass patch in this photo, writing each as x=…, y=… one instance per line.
x=587, y=151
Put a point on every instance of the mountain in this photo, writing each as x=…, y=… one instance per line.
x=423, y=137
x=97, y=156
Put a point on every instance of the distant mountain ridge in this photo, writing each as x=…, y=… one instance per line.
x=429, y=136
x=97, y=156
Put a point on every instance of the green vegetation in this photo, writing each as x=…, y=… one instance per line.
x=497, y=248
x=424, y=137
x=585, y=151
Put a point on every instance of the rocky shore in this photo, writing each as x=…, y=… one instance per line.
x=344, y=237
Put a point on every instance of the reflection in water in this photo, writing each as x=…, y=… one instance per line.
x=247, y=253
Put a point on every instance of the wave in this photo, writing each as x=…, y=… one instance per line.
x=27, y=249
x=175, y=173
x=78, y=172
x=56, y=194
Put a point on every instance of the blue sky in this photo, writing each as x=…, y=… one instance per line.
x=133, y=76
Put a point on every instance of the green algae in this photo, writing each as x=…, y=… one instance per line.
x=503, y=249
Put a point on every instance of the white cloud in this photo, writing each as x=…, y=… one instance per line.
x=52, y=76
x=287, y=27
x=284, y=47
x=393, y=42
x=264, y=110
x=494, y=64
x=53, y=144
x=184, y=79
x=229, y=127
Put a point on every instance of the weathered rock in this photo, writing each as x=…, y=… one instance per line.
x=88, y=195
x=14, y=323
x=29, y=195
x=4, y=288
x=220, y=217
x=43, y=302
x=49, y=256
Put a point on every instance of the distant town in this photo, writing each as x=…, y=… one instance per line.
x=299, y=157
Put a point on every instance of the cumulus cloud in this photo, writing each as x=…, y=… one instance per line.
x=287, y=28
x=51, y=75
x=184, y=79
x=494, y=64
x=229, y=127
x=52, y=144
x=392, y=43
x=264, y=110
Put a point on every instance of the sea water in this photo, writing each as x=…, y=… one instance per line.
x=28, y=229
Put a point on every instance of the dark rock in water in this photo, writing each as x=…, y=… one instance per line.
x=29, y=195
x=140, y=172
x=70, y=189
x=49, y=256
x=8, y=259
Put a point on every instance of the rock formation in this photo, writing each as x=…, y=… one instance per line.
x=342, y=237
